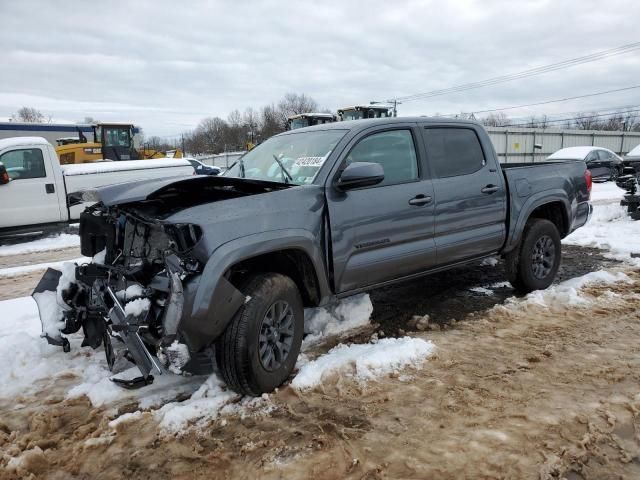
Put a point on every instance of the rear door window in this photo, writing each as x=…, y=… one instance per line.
x=604, y=155
x=24, y=164
x=453, y=152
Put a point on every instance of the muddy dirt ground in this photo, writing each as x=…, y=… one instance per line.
x=518, y=391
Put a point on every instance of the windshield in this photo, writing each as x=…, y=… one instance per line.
x=299, y=123
x=295, y=158
x=117, y=136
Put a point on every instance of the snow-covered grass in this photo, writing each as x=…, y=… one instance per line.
x=364, y=361
x=55, y=242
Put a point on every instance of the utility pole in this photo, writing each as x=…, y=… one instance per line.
x=393, y=102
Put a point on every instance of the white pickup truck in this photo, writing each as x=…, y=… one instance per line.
x=34, y=186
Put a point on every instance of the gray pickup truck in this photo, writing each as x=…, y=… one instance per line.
x=227, y=264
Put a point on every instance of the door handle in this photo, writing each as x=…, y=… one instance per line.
x=489, y=189
x=420, y=200
x=50, y=188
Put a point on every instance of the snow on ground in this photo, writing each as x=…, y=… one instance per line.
x=602, y=192
x=610, y=227
x=30, y=365
x=364, y=361
x=569, y=292
x=350, y=313
x=55, y=242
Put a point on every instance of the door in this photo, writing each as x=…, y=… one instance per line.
x=598, y=162
x=30, y=197
x=382, y=232
x=470, y=198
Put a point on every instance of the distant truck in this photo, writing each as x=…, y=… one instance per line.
x=306, y=217
x=360, y=112
x=309, y=120
x=34, y=187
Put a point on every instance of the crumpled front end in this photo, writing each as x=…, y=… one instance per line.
x=131, y=295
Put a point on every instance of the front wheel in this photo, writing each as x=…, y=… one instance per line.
x=534, y=264
x=614, y=174
x=259, y=348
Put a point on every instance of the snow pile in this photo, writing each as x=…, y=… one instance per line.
x=568, y=292
x=348, y=314
x=137, y=307
x=204, y=405
x=28, y=362
x=174, y=357
x=603, y=192
x=100, y=257
x=51, y=313
x=610, y=228
x=57, y=242
x=364, y=361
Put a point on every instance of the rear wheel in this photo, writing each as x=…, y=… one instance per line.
x=534, y=264
x=258, y=349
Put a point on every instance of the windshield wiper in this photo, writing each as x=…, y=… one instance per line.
x=283, y=170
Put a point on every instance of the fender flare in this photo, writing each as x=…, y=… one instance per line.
x=537, y=200
x=216, y=300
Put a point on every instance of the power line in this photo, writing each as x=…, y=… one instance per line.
x=524, y=74
x=546, y=102
x=573, y=119
x=580, y=112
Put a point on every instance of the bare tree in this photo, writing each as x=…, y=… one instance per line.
x=30, y=115
x=496, y=120
x=270, y=123
x=213, y=131
x=586, y=121
x=294, y=104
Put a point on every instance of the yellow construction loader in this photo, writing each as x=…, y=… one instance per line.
x=112, y=141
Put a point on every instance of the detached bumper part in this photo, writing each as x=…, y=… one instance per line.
x=129, y=334
x=49, y=283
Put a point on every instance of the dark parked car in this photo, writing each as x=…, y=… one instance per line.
x=603, y=163
x=228, y=263
x=632, y=160
x=202, y=169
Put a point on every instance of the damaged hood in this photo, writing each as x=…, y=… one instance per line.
x=129, y=192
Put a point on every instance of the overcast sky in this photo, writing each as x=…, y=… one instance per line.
x=165, y=65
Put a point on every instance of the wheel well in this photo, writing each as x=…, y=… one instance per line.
x=293, y=263
x=555, y=213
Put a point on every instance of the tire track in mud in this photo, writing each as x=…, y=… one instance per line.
x=22, y=284
x=521, y=391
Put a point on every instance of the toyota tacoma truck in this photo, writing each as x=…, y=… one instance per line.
x=227, y=264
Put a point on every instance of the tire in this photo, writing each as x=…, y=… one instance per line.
x=534, y=263
x=272, y=320
x=614, y=173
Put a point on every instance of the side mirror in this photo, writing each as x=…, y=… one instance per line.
x=360, y=174
x=4, y=176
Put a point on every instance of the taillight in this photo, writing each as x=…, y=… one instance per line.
x=589, y=179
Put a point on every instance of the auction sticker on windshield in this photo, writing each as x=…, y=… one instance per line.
x=309, y=161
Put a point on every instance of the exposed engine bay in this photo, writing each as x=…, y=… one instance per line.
x=131, y=297
x=131, y=292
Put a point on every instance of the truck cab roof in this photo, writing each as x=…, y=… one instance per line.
x=22, y=141
x=363, y=124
